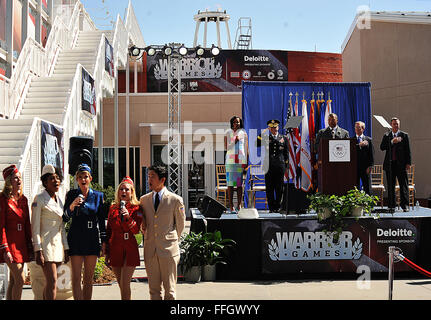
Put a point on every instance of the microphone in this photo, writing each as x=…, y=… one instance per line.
x=122, y=205
x=83, y=199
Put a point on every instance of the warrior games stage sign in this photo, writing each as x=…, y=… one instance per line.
x=303, y=246
x=223, y=73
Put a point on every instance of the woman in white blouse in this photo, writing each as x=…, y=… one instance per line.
x=49, y=235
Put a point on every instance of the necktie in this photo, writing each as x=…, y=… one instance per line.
x=156, y=202
x=359, y=140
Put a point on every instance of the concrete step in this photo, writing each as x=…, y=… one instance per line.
x=10, y=136
x=43, y=94
x=73, y=65
x=76, y=59
x=41, y=112
x=16, y=129
x=15, y=123
x=77, y=52
x=11, y=152
x=11, y=144
x=47, y=105
x=45, y=99
x=50, y=84
x=8, y=160
x=57, y=119
x=50, y=88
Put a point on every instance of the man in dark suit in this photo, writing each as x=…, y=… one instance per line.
x=276, y=162
x=333, y=131
x=398, y=160
x=365, y=156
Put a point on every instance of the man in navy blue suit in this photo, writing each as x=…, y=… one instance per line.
x=398, y=160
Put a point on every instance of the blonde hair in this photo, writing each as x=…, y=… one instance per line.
x=7, y=188
x=133, y=199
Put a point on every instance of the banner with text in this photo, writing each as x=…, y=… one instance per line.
x=52, y=146
x=88, y=93
x=109, y=58
x=303, y=246
x=223, y=73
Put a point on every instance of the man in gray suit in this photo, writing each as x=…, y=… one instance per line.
x=333, y=131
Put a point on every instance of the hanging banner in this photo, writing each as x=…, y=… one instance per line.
x=223, y=73
x=52, y=146
x=109, y=58
x=303, y=246
x=88, y=93
x=17, y=28
x=3, y=24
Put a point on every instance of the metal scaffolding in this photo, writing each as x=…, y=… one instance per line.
x=174, y=124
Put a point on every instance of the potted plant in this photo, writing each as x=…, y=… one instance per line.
x=215, y=252
x=357, y=202
x=192, y=256
x=324, y=205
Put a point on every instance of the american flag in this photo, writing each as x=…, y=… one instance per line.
x=294, y=149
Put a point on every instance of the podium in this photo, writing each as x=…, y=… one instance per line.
x=337, y=166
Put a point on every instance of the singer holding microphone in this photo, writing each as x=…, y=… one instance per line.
x=124, y=221
x=84, y=206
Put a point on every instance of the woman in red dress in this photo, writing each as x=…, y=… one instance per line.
x=124, y=221
x=16, y=246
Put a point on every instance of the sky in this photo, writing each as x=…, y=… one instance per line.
x=301, y=25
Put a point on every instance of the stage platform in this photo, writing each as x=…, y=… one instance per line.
x=277, y=245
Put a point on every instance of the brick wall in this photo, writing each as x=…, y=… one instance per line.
x=315, y=67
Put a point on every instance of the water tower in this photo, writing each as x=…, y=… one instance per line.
x=212, y=16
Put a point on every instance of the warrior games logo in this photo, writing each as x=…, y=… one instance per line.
x=301, y=246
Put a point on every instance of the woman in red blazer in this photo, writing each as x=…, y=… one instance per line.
x=16, y=246
x=124, y=221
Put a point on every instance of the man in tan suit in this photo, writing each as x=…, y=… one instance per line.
x=165, y=218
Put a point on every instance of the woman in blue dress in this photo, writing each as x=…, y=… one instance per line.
x=84, y=206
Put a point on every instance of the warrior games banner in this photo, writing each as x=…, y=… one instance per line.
x=291, y=246
x=223, y=73
x=52, y=146
x=109, y=58
x=88, y=93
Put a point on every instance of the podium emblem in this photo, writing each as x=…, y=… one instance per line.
x=339, y=151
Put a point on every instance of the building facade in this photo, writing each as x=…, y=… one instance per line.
x=392, y=53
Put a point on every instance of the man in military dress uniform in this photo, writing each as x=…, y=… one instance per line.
x=276, y=161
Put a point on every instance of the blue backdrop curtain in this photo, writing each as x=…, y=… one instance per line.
x=263, y=101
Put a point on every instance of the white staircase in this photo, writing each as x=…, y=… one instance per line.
x=47, y=96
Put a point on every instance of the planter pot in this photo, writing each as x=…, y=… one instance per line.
x=193, y=274
x=325, y=213
x=209, y=273
x=358, y=212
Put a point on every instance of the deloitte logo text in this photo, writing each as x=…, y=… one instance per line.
x=395, y=233
x=256, y=59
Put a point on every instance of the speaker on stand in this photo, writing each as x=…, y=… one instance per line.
x=80, y=151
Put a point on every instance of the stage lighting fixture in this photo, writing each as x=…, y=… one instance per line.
x=183, y=50
x=215, y=51
x=135, y=51
x=200, y=51
x=151, y=51
x=167, y=51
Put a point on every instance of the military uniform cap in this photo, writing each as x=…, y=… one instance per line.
x=273, y=123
